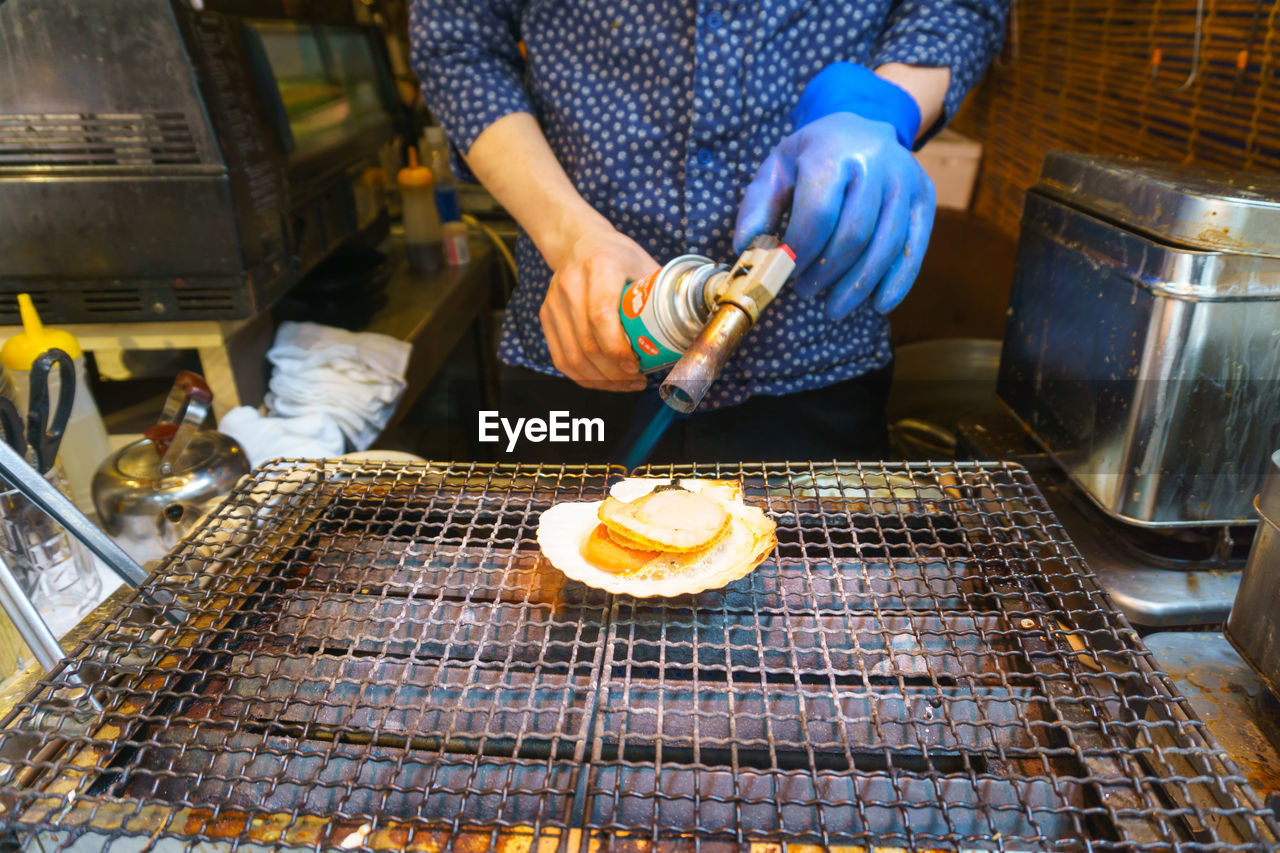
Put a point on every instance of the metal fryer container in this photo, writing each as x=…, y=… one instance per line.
x=377, y=658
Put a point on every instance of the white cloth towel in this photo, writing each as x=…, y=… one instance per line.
x=314, y=436
x=354, y=377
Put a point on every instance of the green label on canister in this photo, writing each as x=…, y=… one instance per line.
x=636, y=310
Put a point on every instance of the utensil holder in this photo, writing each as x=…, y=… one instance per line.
x=54, y=569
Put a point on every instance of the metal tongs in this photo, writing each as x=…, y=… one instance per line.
x=44, y=435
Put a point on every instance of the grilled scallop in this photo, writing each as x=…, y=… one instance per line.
x=666, y=519
x=576, y=542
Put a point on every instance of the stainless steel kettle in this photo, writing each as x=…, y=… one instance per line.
x=151, y=493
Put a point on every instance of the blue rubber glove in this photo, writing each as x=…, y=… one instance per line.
x=861, y=206
x=843, y=87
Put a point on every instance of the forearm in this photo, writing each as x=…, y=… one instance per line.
x=928, y=86
x=925, y=42
x=512, y=159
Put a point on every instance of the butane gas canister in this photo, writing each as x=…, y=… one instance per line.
x=663, y=312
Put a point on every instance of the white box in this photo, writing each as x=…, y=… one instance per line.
x=951, y=160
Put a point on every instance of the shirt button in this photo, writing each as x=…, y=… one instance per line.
x=705, y=157
x=715, y=20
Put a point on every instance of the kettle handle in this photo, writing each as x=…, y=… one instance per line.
x=185, y=385
x=184, y=411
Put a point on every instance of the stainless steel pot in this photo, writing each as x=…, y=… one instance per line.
x=1254, y=625
x=935, y=384
x=152, y=492
x=1141, y=347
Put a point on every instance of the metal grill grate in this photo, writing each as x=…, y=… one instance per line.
x=377, y=658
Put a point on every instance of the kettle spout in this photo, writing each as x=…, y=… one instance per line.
x=174, y=522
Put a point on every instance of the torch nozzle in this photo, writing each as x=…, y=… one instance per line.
x=744, y=292
x=703, y=361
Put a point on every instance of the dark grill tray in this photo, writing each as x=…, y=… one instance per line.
x=377, y=658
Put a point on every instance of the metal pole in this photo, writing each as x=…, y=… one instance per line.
x=27, y=619
x=35, y=632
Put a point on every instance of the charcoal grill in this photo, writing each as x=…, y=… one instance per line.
x=376, y=657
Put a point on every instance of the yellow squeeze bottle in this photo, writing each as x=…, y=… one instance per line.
x=84, y=443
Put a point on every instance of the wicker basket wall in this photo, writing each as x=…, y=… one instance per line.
x=1078, y=75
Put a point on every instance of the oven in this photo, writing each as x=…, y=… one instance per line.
x=170, y=161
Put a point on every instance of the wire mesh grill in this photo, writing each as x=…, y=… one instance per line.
x=376, y=657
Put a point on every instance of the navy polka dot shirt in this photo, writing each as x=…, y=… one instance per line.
x=661, y=111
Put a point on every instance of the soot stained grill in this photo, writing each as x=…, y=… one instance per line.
x=377, y=658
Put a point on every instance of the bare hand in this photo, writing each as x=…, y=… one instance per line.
x=580, y=313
